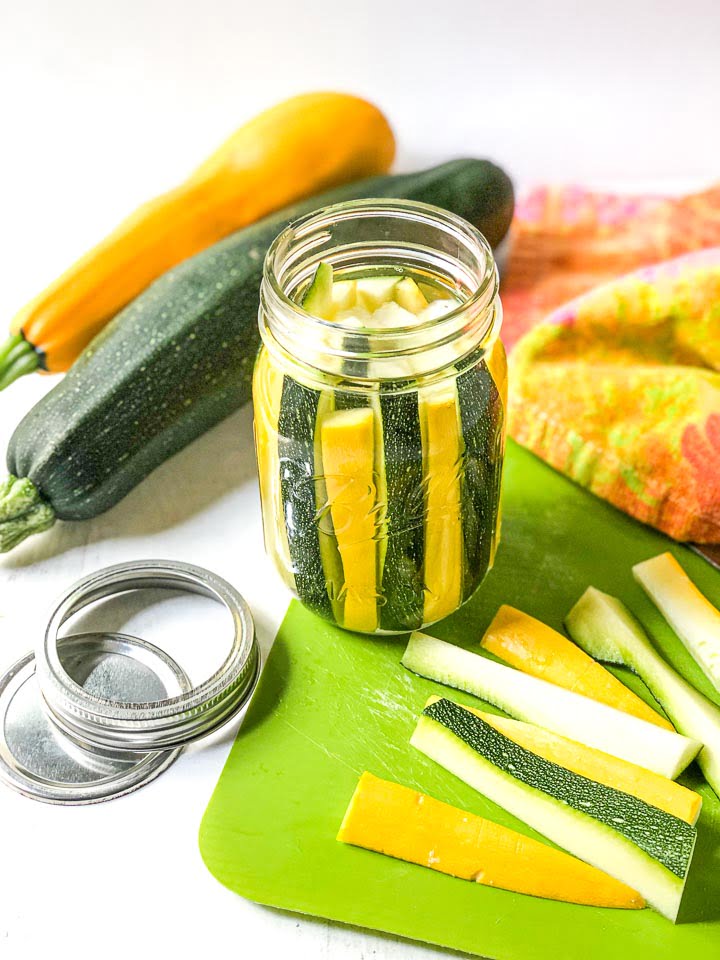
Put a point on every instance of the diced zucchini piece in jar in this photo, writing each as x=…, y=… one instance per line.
x=409, y=296
x=372, y=292
x=318, y=299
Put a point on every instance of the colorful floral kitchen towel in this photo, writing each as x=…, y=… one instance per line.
x=566, y=240
x=620, y=390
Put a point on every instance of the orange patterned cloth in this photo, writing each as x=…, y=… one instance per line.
x=620, y=390
x=567, y=240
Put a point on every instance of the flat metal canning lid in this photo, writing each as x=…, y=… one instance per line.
x=40, y=761
x=163, y=723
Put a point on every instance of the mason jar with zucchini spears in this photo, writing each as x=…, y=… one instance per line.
x=379, y=398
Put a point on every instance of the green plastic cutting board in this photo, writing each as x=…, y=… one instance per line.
x=332, y=704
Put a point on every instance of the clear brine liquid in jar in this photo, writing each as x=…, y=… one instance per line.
x=380, y=473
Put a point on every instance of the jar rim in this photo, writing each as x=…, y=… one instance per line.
x=307, y=233
x=351, y=208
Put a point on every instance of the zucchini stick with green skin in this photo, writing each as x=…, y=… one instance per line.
x=402, y=582
x=179, y=359
x=481, y=417
x=561, y=711
x=297, y=430
x=640, y=845
x=604, y=627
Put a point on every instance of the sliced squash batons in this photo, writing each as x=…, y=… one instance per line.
x=393, y=819
x=561, y=711
x=660, y=792
x=535, y=648
x=640, y=845
x=604, y=627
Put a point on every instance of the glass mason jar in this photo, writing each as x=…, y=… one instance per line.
x=380, y=448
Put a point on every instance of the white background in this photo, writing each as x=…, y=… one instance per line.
x=105, y=104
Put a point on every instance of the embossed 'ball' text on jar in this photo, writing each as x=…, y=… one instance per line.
x=379, y=412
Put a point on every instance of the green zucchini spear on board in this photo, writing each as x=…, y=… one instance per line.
x=179, y=359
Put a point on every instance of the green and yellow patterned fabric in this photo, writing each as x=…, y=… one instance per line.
x=620, y=390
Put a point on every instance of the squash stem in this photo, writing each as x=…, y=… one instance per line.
x=22, y=512
x=17, y=357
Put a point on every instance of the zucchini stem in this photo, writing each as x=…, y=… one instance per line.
x=22, y=512
x=17, y=357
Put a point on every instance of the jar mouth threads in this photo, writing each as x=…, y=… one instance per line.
x=392, y=236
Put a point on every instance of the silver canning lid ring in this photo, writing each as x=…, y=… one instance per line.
x=163, y=724
x=40, y=762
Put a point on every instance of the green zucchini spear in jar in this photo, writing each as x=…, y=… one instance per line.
x=179, y=359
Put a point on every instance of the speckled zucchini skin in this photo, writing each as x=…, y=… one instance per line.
x=179, y=358
x=402, y=583
x=482, y=418
x=662, y=836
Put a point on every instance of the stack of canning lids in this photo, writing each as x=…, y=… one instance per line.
x=91, y=716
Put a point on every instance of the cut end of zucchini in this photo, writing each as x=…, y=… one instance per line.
x=22, y=512
x=690, y=614
x=17, y=357
x=598, y=621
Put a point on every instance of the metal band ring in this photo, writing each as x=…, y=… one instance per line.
x=164, y=724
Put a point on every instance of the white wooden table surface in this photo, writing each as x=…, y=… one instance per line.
x=104, y=105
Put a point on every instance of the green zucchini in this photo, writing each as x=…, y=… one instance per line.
x=639, y=844
x=179, y=359
x=402, y=582
x=298, y=423
x=318, y=298
x=481, y=415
